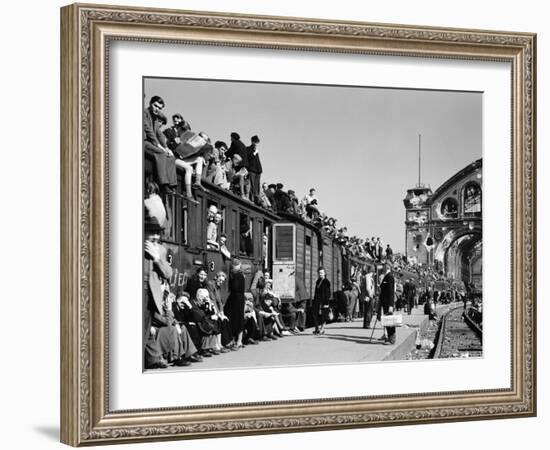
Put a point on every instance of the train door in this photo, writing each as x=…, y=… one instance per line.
x=284, y=260
x=267, y=243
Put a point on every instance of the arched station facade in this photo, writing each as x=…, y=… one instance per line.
x=444, y=228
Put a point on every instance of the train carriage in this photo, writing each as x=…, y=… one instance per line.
x=290, y=247
x=185, y=234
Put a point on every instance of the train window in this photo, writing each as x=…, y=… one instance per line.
x=308, y=240
x=246, y=241
x=284, y=242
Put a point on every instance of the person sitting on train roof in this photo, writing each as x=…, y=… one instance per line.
x=216, y=171
x=282, y=199
x=307, y=201
x=212, y=228
x=270, y=194
x=154, y=143
x=237, y=147
x=237, y=176
x=264, y=201
x=173, y=134
x=254, y=166
x=294, y=204
x=191, y=155
x=312, y=210
x=226, y=254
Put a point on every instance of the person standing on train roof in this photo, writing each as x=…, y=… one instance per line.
x=154, y=143
x=321, y=299
x=254, y=168
x=389, y=253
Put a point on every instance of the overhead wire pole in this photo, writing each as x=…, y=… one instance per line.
x=419, y=157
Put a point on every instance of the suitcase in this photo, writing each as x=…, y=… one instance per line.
x=394, y=320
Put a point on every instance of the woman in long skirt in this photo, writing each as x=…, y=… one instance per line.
x=234, y=307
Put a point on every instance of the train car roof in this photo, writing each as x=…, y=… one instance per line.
x=297, y=219
x=236, y=199
x=228, y=195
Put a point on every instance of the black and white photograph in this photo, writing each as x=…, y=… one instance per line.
x=305, y=224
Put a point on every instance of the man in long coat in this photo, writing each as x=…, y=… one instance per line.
x=321, y=299
x=387, y=301
x=254, y=168
x=154, y=143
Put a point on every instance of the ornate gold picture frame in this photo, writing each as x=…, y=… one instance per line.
x=87, y=31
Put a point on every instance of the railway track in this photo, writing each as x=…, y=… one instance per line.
x=460, y=335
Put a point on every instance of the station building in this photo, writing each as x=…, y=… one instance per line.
x=443, y=229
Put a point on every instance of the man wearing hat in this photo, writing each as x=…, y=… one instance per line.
x=387, y=301
x=156, y=275
x=254, y=168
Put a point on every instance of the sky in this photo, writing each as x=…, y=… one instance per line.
x=358, y=146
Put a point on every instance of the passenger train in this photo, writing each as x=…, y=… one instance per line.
x=291, y=248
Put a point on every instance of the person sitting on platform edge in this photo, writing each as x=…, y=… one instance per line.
x=226, y=341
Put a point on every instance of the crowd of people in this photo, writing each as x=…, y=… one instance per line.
x=237, y=168
x=196, y=321
x=182, y=327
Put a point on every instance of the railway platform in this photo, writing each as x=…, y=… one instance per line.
x=342, y=343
